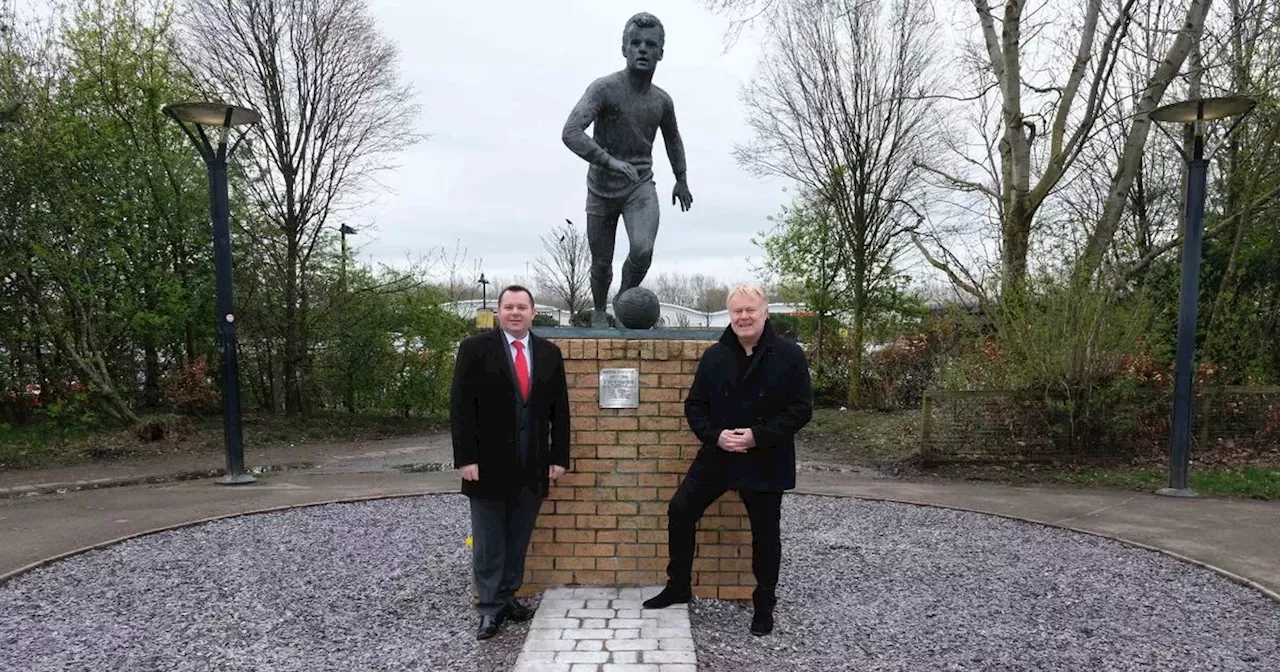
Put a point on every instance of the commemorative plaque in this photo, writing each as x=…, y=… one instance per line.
x=619, y=388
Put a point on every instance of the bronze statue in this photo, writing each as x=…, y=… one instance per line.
x=627, y=111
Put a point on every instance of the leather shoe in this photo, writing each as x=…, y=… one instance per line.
x=517, y=612
x=668, y=597
x=762, y=623
x=488, y=627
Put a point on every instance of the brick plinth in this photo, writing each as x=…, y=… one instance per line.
x=605, y=524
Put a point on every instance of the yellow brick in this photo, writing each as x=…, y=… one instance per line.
x=619, y=423
x=621, y=452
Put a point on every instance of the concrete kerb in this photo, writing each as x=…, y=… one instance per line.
x=1225, y=573
x=1232, y=576
x=18, y=491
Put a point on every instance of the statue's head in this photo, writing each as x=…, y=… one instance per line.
x=642, y=41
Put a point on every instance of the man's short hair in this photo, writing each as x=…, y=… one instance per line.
x=515, y=288
x=749, y=290
x=644, y=20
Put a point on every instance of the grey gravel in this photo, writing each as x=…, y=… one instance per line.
x=884, y=586
x=382, y=585
x=865, y=586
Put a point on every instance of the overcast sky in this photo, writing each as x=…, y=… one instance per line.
x=496, y=82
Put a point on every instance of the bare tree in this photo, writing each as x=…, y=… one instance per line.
x=841, y=106
x=564, y=270
x=711, y=296
x=673, y=288
x=333, y=111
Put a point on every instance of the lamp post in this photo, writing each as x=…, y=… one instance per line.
x=345, y=231
x=1193, y=113
x=193, y=118
x=484, y=292
x=349, y=394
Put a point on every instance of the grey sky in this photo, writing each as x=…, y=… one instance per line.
x=496, y=82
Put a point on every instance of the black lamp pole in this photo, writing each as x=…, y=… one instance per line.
x=1194, y=113
x=223, y=117
x=484, y=292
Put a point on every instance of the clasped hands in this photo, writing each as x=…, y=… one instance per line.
x=737, y=440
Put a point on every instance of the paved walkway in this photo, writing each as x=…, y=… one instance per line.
x=1240, y=536
x=607, y=630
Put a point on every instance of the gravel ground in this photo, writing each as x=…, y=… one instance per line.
x=380, y=585
x=865, y=586
x=883, y=586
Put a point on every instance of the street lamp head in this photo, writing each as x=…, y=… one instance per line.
x=1203, y=109
x=212, y=114
x=346, y=230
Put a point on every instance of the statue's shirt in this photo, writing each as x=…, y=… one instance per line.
x=626, y=123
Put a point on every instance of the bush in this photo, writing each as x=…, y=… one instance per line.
x=898, y=375
x=190, y=389
x=583, y=319
x=541, y=320
x=786, y=326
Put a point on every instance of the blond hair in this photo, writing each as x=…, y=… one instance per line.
x=749, y=290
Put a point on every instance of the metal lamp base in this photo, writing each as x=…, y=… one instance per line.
x=1185, y=493
x=236, y=479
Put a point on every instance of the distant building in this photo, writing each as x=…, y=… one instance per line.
x=671, y=316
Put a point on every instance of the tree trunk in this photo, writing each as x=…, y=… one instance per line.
x=855, y=360
x=292, y=393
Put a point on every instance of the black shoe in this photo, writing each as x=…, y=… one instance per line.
x=517, y=612
x=488, y=627
x=668, y=597
x=762, y=623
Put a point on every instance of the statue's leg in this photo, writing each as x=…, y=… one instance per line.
x=601, y=235
x=640, y=216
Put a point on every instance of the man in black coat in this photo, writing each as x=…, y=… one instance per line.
x=749, y=397
x=509, y=411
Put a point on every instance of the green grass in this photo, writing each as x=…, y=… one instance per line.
x=863, y=436
x=49, y=444
x=1253, y=482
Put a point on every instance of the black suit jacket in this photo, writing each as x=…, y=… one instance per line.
x=774, y=398
x=482, y=413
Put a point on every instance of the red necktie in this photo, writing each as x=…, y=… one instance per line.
x=522, y=369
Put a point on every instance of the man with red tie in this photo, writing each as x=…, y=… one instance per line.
x=509, y=412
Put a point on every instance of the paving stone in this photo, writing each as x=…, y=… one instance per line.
x=557, y=622
x=592, y=613
x=582, y=657
x=670, y=657
x=596, y=593
x=632, y=644
x=664, y=633
x=548, y=645
x=589, y=645
x=595, y=633
x=543, y=667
